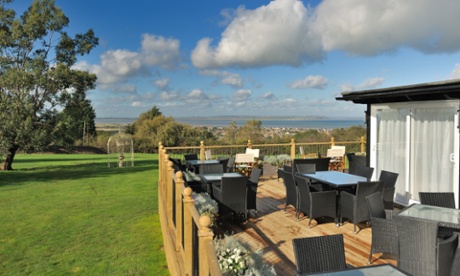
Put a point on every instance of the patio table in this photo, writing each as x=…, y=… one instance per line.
x=335, y=179
x=374, y=270
x=447, y=217
x=209, y=179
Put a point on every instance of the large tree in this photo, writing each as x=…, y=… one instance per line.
x=37, y=74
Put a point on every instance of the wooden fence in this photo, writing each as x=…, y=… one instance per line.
x=187, y=237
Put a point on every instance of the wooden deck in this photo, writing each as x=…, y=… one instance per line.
x=272, y=231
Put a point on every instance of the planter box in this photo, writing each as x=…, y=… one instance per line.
x=270, y=170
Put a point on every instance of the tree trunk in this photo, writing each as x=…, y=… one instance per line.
x=7, y=164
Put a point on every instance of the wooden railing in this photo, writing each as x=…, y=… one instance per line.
x=187, y=237
x=292, y=148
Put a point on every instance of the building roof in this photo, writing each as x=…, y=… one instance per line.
x=432, y=91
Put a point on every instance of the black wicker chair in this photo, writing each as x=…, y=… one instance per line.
x=305, y=168
x=354, y=206
x=231, y=194
x=364, y=171
x=438, y=199
x=291, y=189
x=384, y=233
x=455, y=270
x=315, y=204
x=224, y=162
x=230, y=164
x=321, y=164
x=420, y=251
x=253, y=182
x=354, y=161
x=389, y=182
x=319, y=254
x=211, y=168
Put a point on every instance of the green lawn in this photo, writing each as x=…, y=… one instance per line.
x=70, y=214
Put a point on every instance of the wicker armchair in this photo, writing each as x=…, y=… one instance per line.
x=354, y=161
x=321, y=164
x=291, y=189
x=364, y=171
x=354, y=206
x=253, y=182
x=230, y=164
x=389, y=182
x=231, y=194
x=211, y=168
x=420, y=251
x=315, y=204
x=384, y=233
x=438, y=199
x=319, y=254
x=224, y=162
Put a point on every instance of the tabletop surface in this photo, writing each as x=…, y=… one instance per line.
x=200, y=162
x=218, y=176
x=375, y=270
x=335, y=178
x=446, y=216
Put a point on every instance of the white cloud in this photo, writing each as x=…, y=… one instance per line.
x=242, y=95
x=285, y=32
x=118, y=66
x=346, y=87
x=197, y=96
x=225, y=77
x=371, y=83
x=136, y=104
x=273, y=34
x=167, y=96
x=269, y=96
x=162, y=83
x=318, y=82
x=455, y=74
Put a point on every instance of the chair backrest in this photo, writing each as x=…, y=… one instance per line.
x=244, y=158
x=363, y=190
x=389, y=178
x=303, y=186
x=255, y=174
x=375, y=205
x=306, y=168
x=234, y=193
x=211, y=168
x=439, y=199
x=354, y=161
x=336, y=151
x=230, y=164
x=192, y=156
x=224, y=163
x=365, y=171
x=417, y=245
x=291, y=187
x=254, y=152
x=321, y=164
x=208, y=154
x=319, y=254
x=288, y=169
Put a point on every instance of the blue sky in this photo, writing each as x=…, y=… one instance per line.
x=254, y=57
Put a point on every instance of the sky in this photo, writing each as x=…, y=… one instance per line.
x=259, y=58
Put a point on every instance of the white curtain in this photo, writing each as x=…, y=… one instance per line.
x=392, y=145
x=432, y=131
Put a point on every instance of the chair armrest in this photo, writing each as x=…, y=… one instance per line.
x=217, y=191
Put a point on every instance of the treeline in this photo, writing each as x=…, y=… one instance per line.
x=152, y=127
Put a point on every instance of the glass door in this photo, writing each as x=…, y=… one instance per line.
x=419, y=141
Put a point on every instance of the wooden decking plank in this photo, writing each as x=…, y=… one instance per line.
x=272, y=230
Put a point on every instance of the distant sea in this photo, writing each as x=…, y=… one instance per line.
x=281, y=123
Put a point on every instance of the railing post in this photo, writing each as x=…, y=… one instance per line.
x=249, y=144
x=332, y=142
x=205, y=236
x=363, y=144
x=169, y=187
x=188, y=233
x=179, y=183
x=160, y=163
x=292, y=148
x=202, y=155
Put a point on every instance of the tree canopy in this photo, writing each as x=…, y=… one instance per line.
x=37, y=78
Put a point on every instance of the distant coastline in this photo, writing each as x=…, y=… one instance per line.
x=304, y=122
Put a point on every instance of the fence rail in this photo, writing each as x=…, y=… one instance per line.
x=187, y=237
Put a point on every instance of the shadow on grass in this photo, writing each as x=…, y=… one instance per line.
x=72, y=171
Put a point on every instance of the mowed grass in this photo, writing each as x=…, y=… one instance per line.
x=65, y=214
